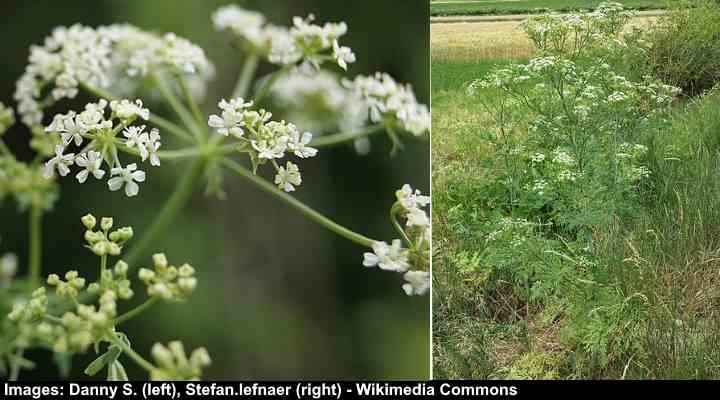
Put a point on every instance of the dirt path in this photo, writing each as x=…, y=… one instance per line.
x=514, y=17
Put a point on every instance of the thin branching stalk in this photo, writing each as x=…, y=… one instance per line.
x=136, y=311
x=298, y=205
x=139, y=360
x=160, y=122
x=191, y=101
x=344, y=137
x=248, y=72
x=178, y=107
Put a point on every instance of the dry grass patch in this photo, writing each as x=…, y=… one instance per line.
x=499, y=40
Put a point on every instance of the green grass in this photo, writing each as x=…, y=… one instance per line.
x=470, y=7
x=453, y=75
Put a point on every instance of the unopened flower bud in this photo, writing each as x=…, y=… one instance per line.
x=146, y=275
x=100, y=248
x=89, y=221
x=121, y=268
x=106, y=223
x=160, y=260
x=53, y=279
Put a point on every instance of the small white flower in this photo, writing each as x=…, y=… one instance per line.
x=410, y=199
x=417, y=217
x=388, y=257
x=91, y=161
x=124, y=109
x=298, y=144
x=343, y=55
x=134, y=135
x=288, y=177
x=126, y=176
x=151, y=145
x=70, y=128
x=418, y=282
x=230, y=121
x=60, y=161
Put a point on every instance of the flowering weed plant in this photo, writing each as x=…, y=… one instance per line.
x=117, y=139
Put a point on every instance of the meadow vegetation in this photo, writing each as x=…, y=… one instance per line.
x=493, y=7
x=577, y=202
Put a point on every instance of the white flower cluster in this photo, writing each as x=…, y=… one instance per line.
x=304, y=41
x=389, y=101
x=263, y=139
x=74, y=55
x=318, y=102
x=574, y=33
x=103, y=143
x=393, y=257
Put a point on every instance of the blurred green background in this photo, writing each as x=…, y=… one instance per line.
x=279, y=297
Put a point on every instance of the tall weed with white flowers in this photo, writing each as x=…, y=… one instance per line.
x=117, y=139
x=570, y=157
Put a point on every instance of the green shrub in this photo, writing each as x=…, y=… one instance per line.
x=685, y=48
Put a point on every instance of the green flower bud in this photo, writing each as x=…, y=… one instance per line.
x=100, y=248
x=162, y=355
x=200, y=358
x=53, y=279
x=93, y=288
x=77, y=283
x=125, y=293
x=89, y=221
x=186, y=271
x=93, y=237
x=106, y=223
x=187, y=285
x=146, y=275
x=160, y=260
x=70, y=275
x=113, y=249
x=121, y=268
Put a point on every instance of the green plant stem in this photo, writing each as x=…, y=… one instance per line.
x=154, y=119
x=398, y=227
x=172, y=128
x=246, y=75
x=298, y=205
x=35, y=239
x=136, y=311
x=177, y=200
x=265, y=88
x=103, y=264
x=129, y=351
x=15, y=367
x=178, y=107
x=188, y=152
x=190, y=100
x=344, y=137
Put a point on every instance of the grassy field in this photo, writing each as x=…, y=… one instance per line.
x=657, y=291
x=489, y=7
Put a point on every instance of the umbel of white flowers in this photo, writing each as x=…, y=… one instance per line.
x=100, y=139
x=304, y=43
x=112, y=57
x=394, y=257
x=263, y=139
